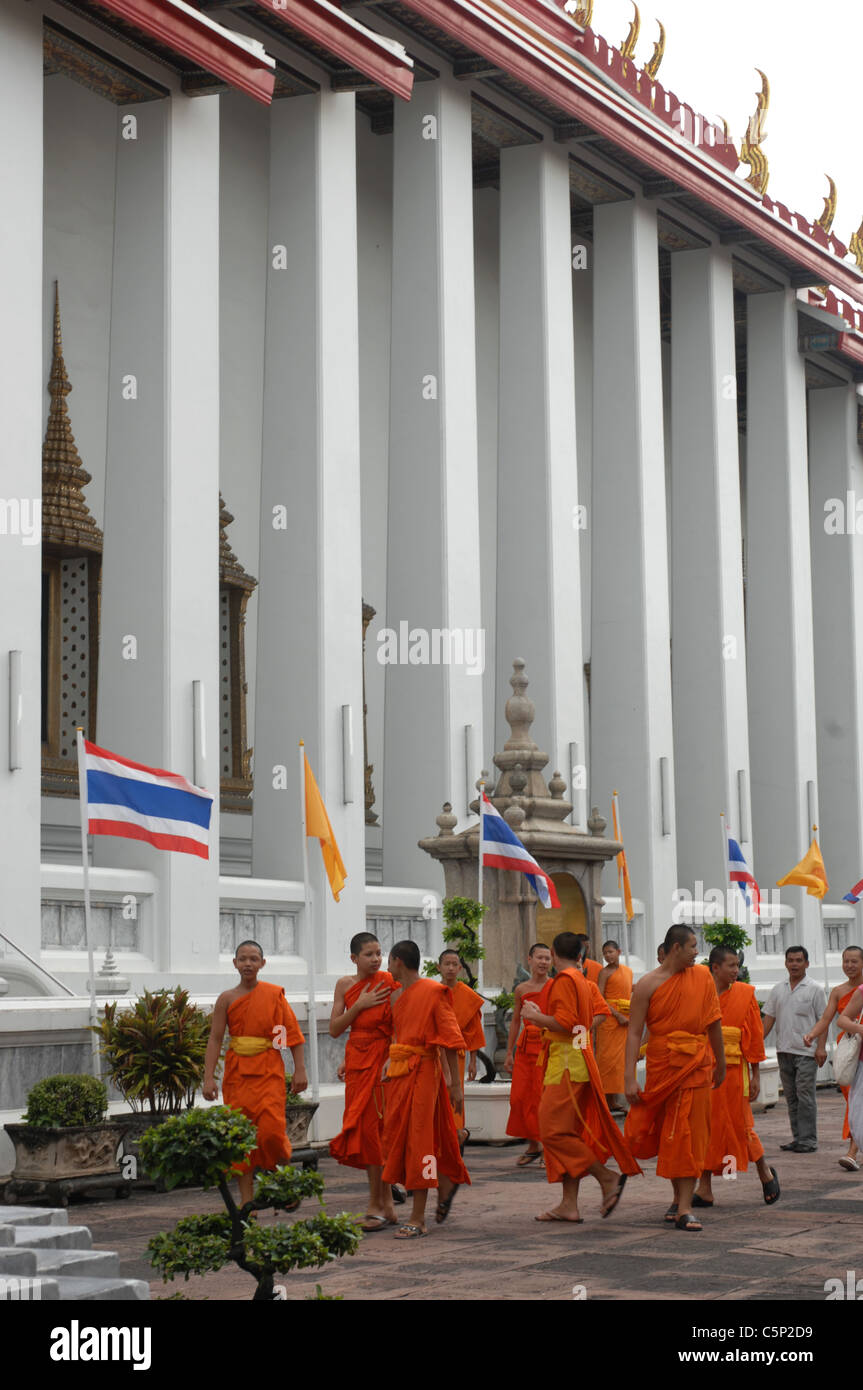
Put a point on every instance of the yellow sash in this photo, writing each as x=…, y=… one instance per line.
x=246, y=1045
x=402, y=1054
x=731, y=1038
x=564, y=1056
x=622, y=1005
x=678, y=1045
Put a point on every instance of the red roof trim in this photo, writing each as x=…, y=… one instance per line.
x=195, y=39
x=360, y=47
x=609, y=115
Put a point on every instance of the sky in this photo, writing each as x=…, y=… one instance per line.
x=810, y=50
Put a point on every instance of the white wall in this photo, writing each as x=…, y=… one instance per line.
x=486, y=209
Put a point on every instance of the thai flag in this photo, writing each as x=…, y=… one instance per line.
x=739, y=874
x=854, y=895
x=502, y=849
x=144, y=803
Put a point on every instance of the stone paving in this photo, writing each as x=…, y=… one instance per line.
x=491, y=1248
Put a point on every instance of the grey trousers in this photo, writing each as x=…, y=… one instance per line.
x=798, y=1083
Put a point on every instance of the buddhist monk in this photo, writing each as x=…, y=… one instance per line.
x=615, y=985
x=575, y=1124
x=522, y=1057
x=361, y=1004
x=840, y=997
x=261, y=1021
x=733, y=1142
x=685, y=1055
x=422, y=1091
x=467, y=1007
x=590, y=968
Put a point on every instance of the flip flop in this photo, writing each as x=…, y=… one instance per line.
x=614, y=1198
x=700, y=1201
x=849, y=1164
x=687, y=1223
x=772, y=1190
x=376, y=1223
x=671, y=1215
x=409, y=1232
x=443, y=1206
x=527, y=1158
x=565, y=1220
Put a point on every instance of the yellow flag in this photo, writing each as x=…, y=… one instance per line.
x=809, y=873
x=622, y=865
x=318, y=826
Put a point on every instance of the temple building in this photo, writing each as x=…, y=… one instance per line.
x=356, y=351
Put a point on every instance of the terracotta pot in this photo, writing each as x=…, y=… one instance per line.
x=298, y=1118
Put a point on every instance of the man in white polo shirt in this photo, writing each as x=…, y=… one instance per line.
x=794, y=1006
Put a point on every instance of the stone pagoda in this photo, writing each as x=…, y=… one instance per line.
x=537, y=813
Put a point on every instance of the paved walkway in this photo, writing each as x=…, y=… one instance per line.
x=491, y=1249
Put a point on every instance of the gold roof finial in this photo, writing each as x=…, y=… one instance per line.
x=826, y=219
x=583, y=11
x=751, y=152
x=627, y=48
x=652, y=68
x=855, y=246
x=66, y=519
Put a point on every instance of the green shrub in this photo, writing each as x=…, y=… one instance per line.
x=504, y=1001
x=60, y=1102
x=201, y=1147
x=155, y=1050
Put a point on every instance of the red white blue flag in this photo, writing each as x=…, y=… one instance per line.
x=502, y=849
x=738, y=873
x=144, y=803
x=854, y=895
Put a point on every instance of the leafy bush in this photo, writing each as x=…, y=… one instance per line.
x=726, y=933
x=503, y=1001
x=155, y=1050
x=461, y=933
x=201, y=1147
x=60, y=1102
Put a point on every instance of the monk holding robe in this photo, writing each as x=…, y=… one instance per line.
x=261, y=1021
x=422, y=1090
x=362, y=1004
x=615, y=985
x=671, y=1118
x=840, y=998
x=575, y=1124
x=467, y=1007
x=522, y=1057
x=733, y=1141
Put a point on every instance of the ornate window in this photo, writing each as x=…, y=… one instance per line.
x=71, y=571
x=235, y=586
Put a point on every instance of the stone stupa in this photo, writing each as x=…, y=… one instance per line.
x=537, y=812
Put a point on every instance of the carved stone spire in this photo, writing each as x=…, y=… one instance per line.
x=521, y=762
x=231, y=572
x=66, y=519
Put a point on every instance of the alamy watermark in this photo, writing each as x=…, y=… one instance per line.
x=22, y=516
x=436, y=646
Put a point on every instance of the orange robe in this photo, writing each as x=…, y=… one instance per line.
x=256, y=1085
x=575, y=1124
x=672, y=1119
x=732, y=1128
x=526, y=1088
x=611, y=1036
x=592, y=970
x=359, y=1145
x=420, y=1135
x=840, y=1009
x=467, y=1007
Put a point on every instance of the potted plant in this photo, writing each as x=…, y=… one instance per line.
x=199, y=1148
x=154, y=1051
x=727, y=933
x=299, y=1112
x=64, y=1144
x=461, y=934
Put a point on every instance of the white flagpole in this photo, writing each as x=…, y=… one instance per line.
x=310, y=936
x=479, y=885
x=88, y=926
x=726, y=869
x=616, y=800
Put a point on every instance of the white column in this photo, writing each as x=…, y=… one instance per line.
x=22, y=392
x=160, y=630
x=630, y=686
x=711, y=743
x=835, y=480
x=538, y=520
x=433, y=531
x=309, y=661
x=782, y=734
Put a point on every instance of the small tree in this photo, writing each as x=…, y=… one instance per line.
x=155, y=1049
x=199, y=1148
x=726, y=933
x=461, y=934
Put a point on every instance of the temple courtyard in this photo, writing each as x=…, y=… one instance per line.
x=491, y=1248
